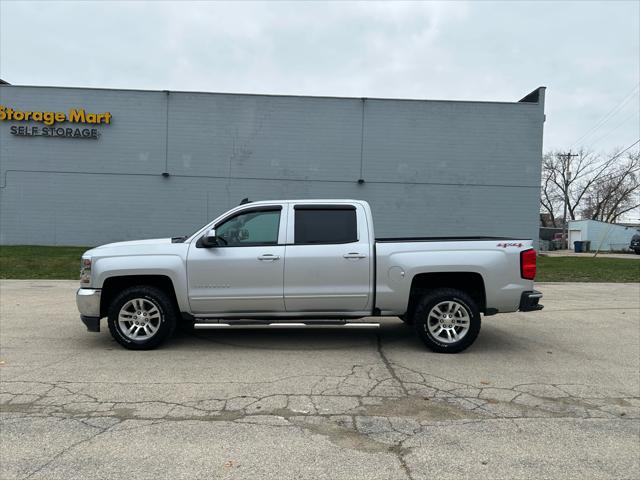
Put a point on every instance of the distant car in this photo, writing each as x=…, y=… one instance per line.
x=558, y=242
x=635, y=244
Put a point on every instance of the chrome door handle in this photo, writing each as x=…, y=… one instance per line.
x=268, y=257
x=354, y=255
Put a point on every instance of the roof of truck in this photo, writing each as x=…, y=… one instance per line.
x=307, y=200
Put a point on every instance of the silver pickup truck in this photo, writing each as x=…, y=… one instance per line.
x=309, y=261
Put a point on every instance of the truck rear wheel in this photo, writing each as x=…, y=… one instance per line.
x=141, y=317
x=447, y=320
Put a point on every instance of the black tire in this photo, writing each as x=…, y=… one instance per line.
x=158, y=298
x=435, y=297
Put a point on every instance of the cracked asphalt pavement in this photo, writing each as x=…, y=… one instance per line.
x=549, y=394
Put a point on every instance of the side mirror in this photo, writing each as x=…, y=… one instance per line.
x=209, y=239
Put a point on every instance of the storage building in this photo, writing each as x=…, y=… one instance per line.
x=87, y=166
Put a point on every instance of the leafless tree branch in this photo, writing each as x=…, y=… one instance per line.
x=595, y=187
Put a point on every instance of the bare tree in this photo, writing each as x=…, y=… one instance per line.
x=616, y=193
x=597, y=188
x=550, y=197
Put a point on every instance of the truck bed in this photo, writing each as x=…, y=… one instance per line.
x=439, y=239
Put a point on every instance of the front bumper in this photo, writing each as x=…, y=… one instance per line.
x=529, y=301
x=88, y=302
x=92, y=323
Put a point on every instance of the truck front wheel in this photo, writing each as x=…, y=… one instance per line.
x=141, y=317
x=447, y=320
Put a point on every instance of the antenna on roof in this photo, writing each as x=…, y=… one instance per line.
x=245, y=200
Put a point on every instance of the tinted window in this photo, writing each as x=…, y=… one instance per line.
x=325, y=225
x=251, y=228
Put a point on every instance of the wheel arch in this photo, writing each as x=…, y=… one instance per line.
x=116, y=284
x=471, y=283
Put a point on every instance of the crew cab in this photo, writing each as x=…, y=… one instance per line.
x=312, y=261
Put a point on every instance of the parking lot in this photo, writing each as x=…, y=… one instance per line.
x=550, y=394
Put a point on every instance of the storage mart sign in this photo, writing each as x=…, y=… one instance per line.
x=49, y=119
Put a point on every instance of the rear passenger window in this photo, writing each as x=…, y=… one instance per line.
x=318, y=224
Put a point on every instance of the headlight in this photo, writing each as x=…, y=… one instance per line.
x=85, y=271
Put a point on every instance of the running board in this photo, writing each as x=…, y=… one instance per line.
x=251, y=326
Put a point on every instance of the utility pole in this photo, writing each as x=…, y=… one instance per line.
x=567, y=181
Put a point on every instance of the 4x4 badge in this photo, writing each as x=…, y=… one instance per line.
x=505, y=245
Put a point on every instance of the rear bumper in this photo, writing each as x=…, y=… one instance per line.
x=88, y=302
x=529, y=301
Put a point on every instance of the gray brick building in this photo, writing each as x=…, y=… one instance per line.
x=168, y=162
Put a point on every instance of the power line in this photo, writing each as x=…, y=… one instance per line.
x=623, y=122
x=621, y=152
x=610, y=114
x=612, y=176
x=600, y=165
x=605, y=177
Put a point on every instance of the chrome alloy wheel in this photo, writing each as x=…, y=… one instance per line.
x=139, y=319
x=448, y=322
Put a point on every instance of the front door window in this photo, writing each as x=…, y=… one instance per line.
x=251, y=229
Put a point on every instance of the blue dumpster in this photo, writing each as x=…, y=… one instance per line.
x=577, y=246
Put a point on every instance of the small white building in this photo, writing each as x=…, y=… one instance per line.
x=603, y=236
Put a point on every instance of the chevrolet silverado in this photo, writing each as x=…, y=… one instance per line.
x=313, y=261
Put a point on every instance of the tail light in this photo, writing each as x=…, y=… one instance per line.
x=528, y=264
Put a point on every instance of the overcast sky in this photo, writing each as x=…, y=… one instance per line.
x=586, y=53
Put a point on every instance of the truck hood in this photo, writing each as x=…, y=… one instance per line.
x=131, y=243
